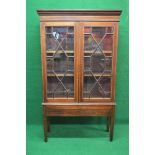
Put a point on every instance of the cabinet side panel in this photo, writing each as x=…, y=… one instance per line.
x=114, y=61
x=43, y=59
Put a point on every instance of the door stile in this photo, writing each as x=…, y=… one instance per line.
x=76, y=61
x=81, y=60
x=114, y=61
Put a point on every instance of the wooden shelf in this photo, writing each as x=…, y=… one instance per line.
x=98, y=75
x=52, y=51
x=79, y=103
x=89, y=33
x=72, y=52
x=68, y=33
x=71, y=75
x=60, y=74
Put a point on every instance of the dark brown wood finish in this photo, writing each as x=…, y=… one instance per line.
x=78, y=105
x=78, y=110
x=79, y=12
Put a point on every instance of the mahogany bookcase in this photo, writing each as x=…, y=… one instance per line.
x=79, y=54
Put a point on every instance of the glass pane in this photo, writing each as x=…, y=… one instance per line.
x=60, y=62
x=60, y=90
x=70, y=29
x=98, y=47
x=95, y=89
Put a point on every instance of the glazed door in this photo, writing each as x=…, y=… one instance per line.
x=98, y=59
x=59, y=64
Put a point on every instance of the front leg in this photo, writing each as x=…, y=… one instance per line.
x=45, y=124
x=48, y=125
x=108, y=123
x=111, y=128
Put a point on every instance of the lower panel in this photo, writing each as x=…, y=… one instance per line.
x=78, y=110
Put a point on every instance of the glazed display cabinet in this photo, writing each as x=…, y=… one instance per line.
x=79, y=54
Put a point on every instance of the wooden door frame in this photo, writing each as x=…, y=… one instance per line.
x=43, y=58
x=114, y=59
